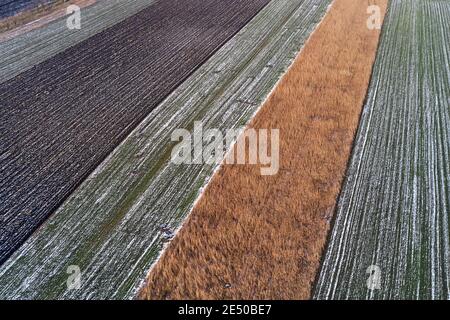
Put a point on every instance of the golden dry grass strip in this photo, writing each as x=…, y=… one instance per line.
x=261, y=237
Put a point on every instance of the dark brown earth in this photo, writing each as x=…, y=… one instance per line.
x=59, y=120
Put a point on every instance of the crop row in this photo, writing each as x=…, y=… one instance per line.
x=111, y=225
x=391, y=235
x=11, y=7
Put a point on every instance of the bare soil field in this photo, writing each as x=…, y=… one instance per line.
x=29, y=20
x=60, y=119
x=262, y=237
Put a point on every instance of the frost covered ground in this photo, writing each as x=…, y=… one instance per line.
x=114, y=225
x=394, y=208
x=61, y=118
x=23, y=52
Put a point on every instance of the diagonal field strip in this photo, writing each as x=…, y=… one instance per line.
x=30, y=20
x=23, y=51
x=60, y=119
x=11, y=7
x=254, y=236
x=110, y=226
x=394, y=208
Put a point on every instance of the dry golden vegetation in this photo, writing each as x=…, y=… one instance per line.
x=41, y=11
x=261, y=237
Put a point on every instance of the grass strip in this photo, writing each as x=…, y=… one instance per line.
x=261, y=237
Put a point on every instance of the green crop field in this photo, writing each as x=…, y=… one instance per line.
x=394, y=208
x=109, y=200
x=112, y=225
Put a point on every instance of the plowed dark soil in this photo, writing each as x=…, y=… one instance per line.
x=59, y=120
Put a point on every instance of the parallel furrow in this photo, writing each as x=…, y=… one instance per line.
x=111, y=225
x=60, y=119
x=394, y=207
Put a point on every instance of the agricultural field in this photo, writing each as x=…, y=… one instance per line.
x=20, y=50
x=84, y=106
x=394, y=207
x=267, y=206
x=137, y=181
x=11, y=7
x=357, y=92
x=25, y=13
